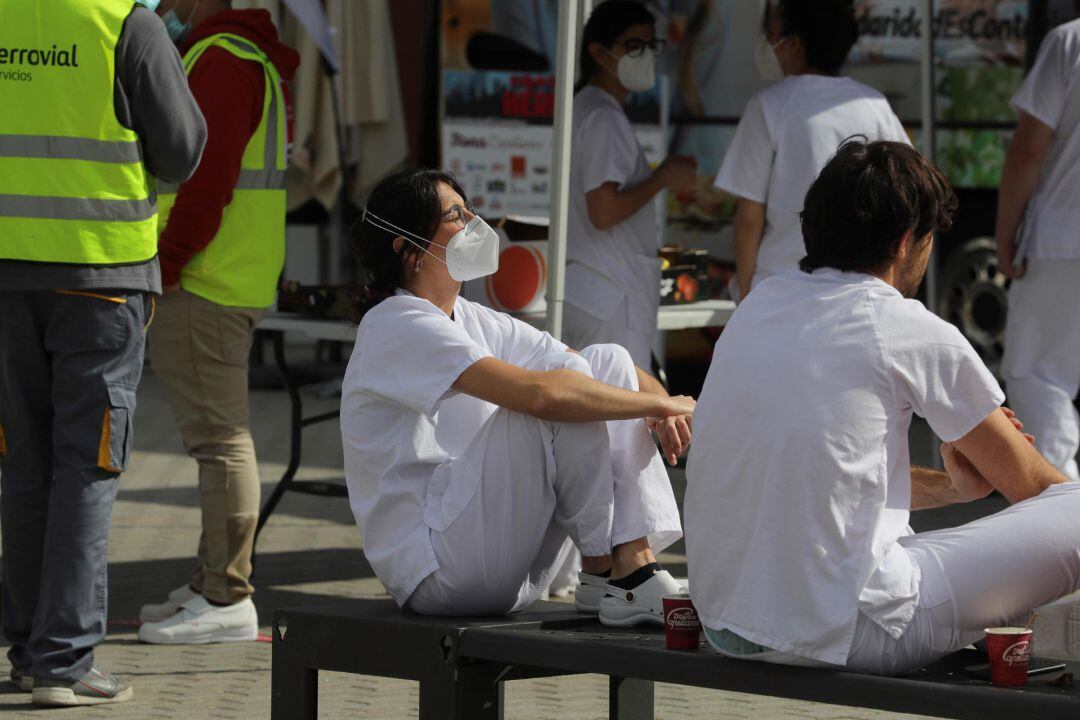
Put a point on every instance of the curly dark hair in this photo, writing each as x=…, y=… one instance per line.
x=408, y=200
x=828, y=29
x=607, y=22
x=868, y=196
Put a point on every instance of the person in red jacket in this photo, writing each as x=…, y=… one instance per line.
x=221, y=251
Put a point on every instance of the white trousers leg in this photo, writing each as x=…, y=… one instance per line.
x=543, y=485
x=1041, y=366
x=580, y=329
x=979, y=575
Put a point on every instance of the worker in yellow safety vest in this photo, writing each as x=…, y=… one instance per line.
x=222, y=249
x=95, y=109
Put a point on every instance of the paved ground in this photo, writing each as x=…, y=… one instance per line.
x=310, y=550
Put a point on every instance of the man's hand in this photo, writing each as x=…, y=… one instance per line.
x=1017, y=424
x=675, y=433
x=967, y=481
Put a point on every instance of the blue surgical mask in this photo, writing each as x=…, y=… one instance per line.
x=178, y=30
x=150, y=5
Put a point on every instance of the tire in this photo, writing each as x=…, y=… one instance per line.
x=974, y=296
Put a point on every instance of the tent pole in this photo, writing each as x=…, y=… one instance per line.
x=929, y=126
x=560, y=148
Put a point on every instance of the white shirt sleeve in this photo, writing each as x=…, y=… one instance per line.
x=1043, y=92
x=413, y=356
x=940, y=375
x=608, y=149
x=748, y=162
x=894, y=129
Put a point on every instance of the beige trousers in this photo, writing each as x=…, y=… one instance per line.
x=199, y=351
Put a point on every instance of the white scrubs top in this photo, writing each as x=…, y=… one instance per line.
x=401, y=422
x=799, y=478
x=1051, y=94
x=619, y=265
x=786, y=135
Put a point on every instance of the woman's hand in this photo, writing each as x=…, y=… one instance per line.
x=674, y=431
x=678, y=172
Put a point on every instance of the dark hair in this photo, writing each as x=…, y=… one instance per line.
x=864, y=201
x=607, y=22
x=409, y=200
x=828, y=29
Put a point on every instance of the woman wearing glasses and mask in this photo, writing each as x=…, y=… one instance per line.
x=613, y=271
x=479, y=450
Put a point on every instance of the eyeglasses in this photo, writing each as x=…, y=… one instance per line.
x=636, y=47
x=456, y=213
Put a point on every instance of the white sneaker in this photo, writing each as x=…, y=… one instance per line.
x=199, y=622
x=157, y=613
x=590, y=589
x=1057, y=629
x=643, y=604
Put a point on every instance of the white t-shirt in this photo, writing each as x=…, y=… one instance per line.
x=401, y=422
x=1051, y=94
x=786, y=135
x=798, y=481
x=608, y=267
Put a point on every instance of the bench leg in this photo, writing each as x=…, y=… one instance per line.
x=630, y=699
x=475, y=694
x=294, y=689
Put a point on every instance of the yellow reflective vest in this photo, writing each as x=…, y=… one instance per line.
x=241, y=265
x=73, y=187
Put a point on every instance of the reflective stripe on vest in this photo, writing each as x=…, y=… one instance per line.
x=241, y=265
x=73, y=187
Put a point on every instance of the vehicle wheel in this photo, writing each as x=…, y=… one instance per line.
x=974, y=296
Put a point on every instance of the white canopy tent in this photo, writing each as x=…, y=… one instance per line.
x=571, y=15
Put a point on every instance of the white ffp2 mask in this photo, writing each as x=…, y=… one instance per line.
x=473, y=251
x=768, y=64
x=637, y=74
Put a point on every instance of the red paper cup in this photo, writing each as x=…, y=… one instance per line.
x=1009, y=649
x=682, y=628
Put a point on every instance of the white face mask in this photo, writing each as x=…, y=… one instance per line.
x=636, y=74
x=473, y=251
x=765, y=58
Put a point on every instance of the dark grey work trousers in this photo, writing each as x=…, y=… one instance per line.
x=69, y=365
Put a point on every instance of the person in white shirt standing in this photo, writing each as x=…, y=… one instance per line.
x=479, y=450
x=612, y=261
x=1040, y=191
x=791, y=128
x=799, y=495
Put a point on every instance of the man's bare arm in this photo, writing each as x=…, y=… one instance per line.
x=934, y=488
x=997, y=451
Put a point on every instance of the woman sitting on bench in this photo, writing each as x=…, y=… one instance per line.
x=478, y=449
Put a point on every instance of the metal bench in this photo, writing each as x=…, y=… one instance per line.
x=463, y=663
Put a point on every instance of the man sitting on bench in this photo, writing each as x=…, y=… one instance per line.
x=800, y=484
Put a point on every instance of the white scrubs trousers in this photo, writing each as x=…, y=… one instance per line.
x=546, y=487
x=991, y=572
x=1041, y=366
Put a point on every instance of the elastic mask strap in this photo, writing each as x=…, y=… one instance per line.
x=387, y=226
